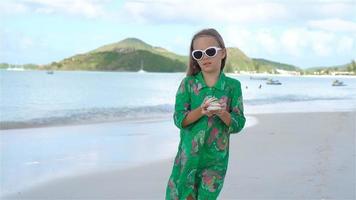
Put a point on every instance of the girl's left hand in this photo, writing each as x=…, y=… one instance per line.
x=223, y=108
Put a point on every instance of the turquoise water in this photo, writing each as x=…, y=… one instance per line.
x=35, y=98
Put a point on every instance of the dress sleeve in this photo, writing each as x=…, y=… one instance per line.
x=182, y=103
x=236, y=110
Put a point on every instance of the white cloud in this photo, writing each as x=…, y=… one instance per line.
x=336, y=8
x=297, y=42
x=236, y=11
x=240, y=38
x=346, y=44
x=86, y=8
x=322, y=42
x=8, y=8
x=333, y=25
x=288, y=29
x=293, y=41
x=268, y=41
x=185, y=11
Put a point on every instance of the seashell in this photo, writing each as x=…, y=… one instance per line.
x=214, y=108
x=211, y=99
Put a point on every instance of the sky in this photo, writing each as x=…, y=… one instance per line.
x=305, y=33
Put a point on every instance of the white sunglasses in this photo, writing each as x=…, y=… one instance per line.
x=210, y=52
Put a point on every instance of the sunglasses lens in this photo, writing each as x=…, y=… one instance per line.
x=210, y=52
x=198, y=54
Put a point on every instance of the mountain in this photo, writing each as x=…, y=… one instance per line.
x=238, y=61
x=348, y=67
x=127, y=55
x=268, y=65
x=131, y=54
x=132, y=44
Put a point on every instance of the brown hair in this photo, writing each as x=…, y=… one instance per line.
x=193, y=67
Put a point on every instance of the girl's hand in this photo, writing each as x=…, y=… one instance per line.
x=223, y=108
x=205, y=106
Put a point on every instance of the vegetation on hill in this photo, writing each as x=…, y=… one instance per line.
x=133, y=54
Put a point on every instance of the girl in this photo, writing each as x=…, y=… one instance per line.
x=201, y=162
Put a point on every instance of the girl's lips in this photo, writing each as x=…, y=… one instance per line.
x=207, y=63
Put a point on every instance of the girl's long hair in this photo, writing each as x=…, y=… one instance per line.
x=193, y=67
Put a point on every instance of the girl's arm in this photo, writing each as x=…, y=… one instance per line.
x=182, y=104
x=225, y=117
x=235, y=118
x=198, y=113
x=192, y=116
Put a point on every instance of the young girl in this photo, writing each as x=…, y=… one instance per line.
x=205, y=126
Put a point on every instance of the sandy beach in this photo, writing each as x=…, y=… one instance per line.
x=284, y=156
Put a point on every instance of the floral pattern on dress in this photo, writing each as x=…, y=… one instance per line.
x=173, y=189
x=197, y=142
x=211, y=179
x=213, y=135
x=202, y=157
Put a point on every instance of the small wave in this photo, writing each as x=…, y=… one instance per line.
x=97, y=115
x=32, y=163
x=92, y=115
x=289, y=98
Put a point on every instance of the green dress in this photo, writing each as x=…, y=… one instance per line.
x=201, y=162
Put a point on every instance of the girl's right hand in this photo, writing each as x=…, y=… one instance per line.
x=204, y=106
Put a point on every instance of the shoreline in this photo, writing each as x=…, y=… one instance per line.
x=24, y=125
x=157, y=118
x=146, y=72
x=285, y=155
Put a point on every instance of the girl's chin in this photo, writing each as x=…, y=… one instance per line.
x=209, y=69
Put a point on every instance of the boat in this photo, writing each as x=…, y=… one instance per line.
x=273, y=82
x=50, y=72
x=141, y=70
x=15, y=69
x=258, y=78
x=338, y=83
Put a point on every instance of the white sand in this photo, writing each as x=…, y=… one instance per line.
x=285, y=156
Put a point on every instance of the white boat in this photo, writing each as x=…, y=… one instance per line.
x=273, y=82
x=338, y=83
x=258, y=78
x=15, y=69
x=141, y=70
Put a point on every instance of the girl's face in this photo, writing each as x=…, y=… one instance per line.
x=209, y=64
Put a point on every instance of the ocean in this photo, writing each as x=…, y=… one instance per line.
x=119, y=115
x=35, y=98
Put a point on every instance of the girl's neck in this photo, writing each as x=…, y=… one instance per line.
x=211, y=78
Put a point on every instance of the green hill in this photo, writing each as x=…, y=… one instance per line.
x=237, y=61
x=268, y=65
x=132, y=44
x=128, y=54
x=132, y=54
x=349, y=67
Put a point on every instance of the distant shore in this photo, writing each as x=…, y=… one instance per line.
x=229, y=73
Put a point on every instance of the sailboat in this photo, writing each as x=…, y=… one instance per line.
x=141, y=70
x=15, y=68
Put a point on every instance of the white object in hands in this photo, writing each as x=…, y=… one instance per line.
x=211, y=99
x=213, y=104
